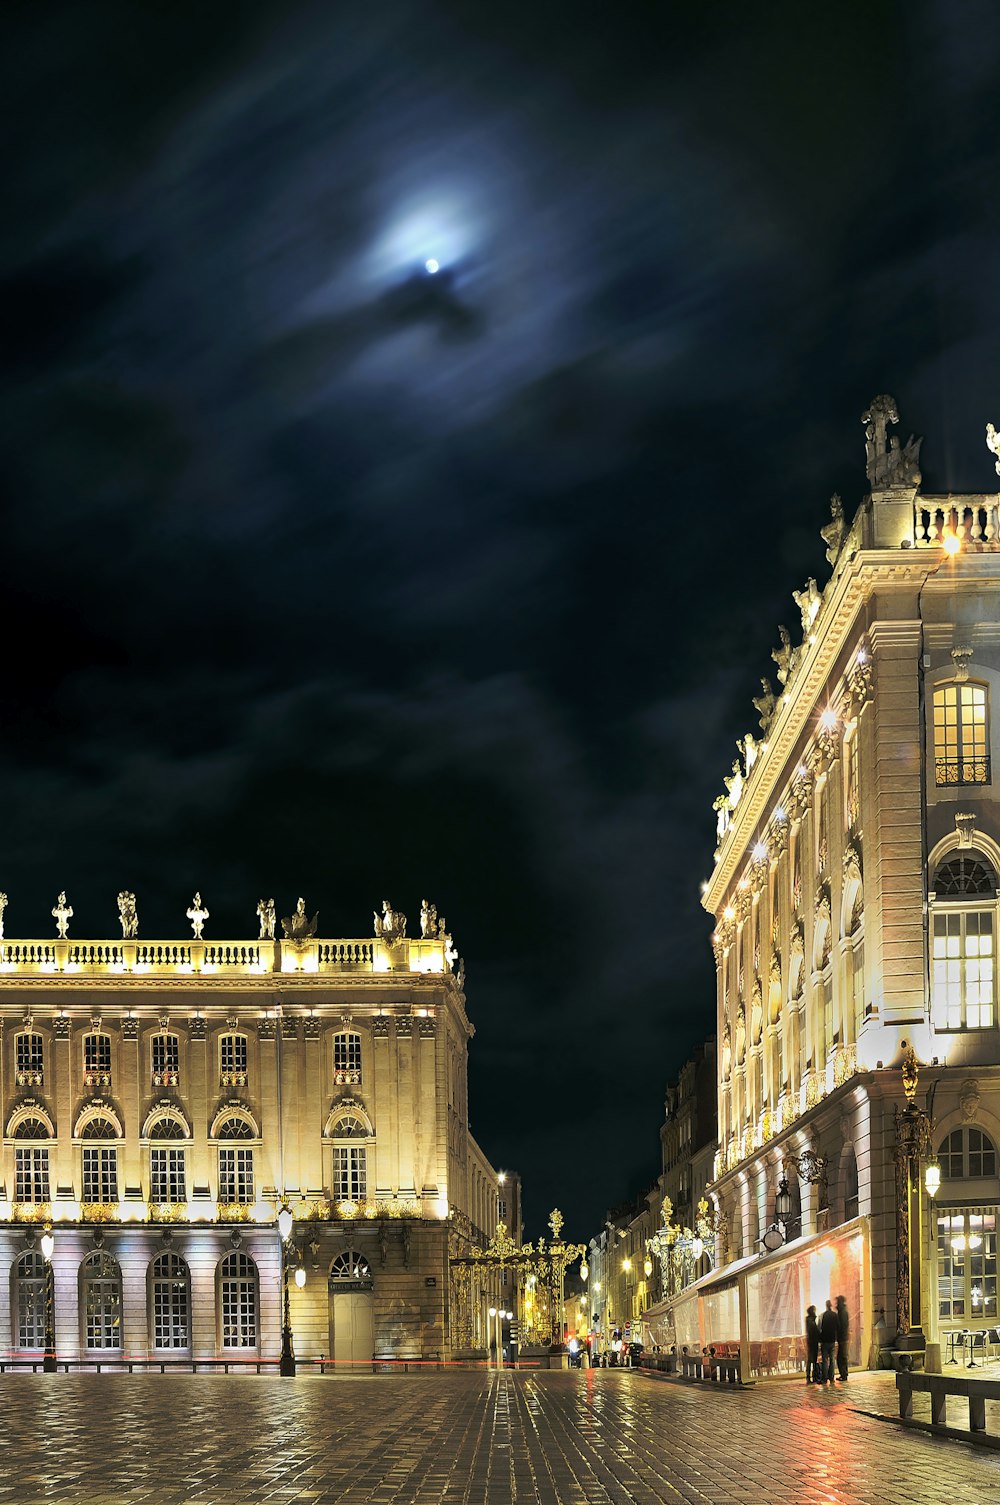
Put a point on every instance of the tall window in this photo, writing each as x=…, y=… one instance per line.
x=967, y=1264
x=238, y=1301
x=167, y=1181
x=166, y=1061
x=856, y=962
x=100, y=1162
x=347, y=1059
x=961, y=734
x=31, y=1162
x=964, y=944
x=169, y=1301
x=28, y=1060
x=233, y=1061
x=853, y=772
x=236, y=1182
x=101, y=1300
x=28, y=1300
x=97, y=1060
x=350, y=1160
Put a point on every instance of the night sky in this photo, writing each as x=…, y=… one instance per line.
x=324, y=575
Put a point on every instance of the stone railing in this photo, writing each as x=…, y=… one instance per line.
x=969, y=519
x=221, y=958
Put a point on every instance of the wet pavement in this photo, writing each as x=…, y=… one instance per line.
x=596, y=1437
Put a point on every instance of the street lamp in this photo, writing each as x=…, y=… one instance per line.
x=783, y=1201
x=49, y=1358
x=913, y=1142
x=286, y=1364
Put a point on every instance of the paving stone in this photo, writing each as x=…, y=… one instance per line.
x=600, y=1437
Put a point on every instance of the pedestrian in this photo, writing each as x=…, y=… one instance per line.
x=843, y=1333
x=812, y=1347
x=827, y=1342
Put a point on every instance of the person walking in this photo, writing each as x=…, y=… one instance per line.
x=812, y=1347
x=843, y=1333
x=827, y=1342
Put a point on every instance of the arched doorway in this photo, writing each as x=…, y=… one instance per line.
x=352, y=1310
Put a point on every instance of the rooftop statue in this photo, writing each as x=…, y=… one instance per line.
x=390, y=925
x=128, y=914
x=833, y=534
x=764, y=704
x=784, y=656
x=887, y=463
x=808, y=600
x=266, y=915
x=62, y=914
x=298, y=926
x=3, y=906
x=428, y=920
x=750, y=749
x=993, y=444
x=197, y=914
x=734, y=783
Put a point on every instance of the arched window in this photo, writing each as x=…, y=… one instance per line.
x=100, y=1162
x=351, y=1266
x=233, y=1061
x=961, y=734
x=101, y=1300
x=97, y=1060
x=169, y=1283
x=167, y=1164
x=347, y=1059
x=236, y=1179
x=964, y=943
x=31, y=1161
x=166, y=1060
x=28, y=1060
x=967, y=1154
x=350, y=1159
x=27, y=1300
x=237, y=1298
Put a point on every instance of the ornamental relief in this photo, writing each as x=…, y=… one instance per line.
x=756, y=1014
x=741, y=1033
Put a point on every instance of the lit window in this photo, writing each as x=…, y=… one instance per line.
x=28, y=1058
x=967, y=1264
x=169, y=1283
x=350, y=1266
x=238, y=1301
x=963, y=978
x=350, y=1173
x=101, y=1300
x=347, y=1060
x=233, y=1061
x=28, y=1279
x=31, y=1162
x=858, y=984
x=167, y=1181
x=100, y=1163
x=961, y=735
x=166, y=1060
x=236, y=1180
x=97, y=1060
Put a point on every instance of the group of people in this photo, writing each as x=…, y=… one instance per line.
x=825, y=1338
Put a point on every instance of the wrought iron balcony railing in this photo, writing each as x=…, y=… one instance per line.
x=962, y=770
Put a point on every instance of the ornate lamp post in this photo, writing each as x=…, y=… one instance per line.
x=913, y=1142
x=49, y=1359
x=286, y=1364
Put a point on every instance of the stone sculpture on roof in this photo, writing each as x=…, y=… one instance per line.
x=298, y=926
x=128, y=915
x=62, y=913
x=887, y=464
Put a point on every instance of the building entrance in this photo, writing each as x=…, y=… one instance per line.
x=352, y=1311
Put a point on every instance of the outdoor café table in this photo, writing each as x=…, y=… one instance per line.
x=955, y=1340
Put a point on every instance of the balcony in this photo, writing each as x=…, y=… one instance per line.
x=951, y=772
x=167, y=1076
x=233, y=1078
x=30, y=1077
x=97, y=1081
x=348, y=1077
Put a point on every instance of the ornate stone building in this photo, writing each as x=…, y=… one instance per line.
x=162, y=1100
x=855, y=897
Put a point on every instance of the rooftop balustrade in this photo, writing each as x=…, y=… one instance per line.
x=246, y=959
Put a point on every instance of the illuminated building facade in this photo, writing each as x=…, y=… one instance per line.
x=855, y=896
x=163, y=1100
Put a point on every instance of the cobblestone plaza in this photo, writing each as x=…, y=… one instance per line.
x=600, y=1437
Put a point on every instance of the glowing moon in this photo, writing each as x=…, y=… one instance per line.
x=432, y=265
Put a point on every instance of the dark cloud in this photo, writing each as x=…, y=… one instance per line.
x=324, y=573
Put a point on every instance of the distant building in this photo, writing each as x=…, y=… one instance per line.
x=162, y=1100
x=855, y=897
